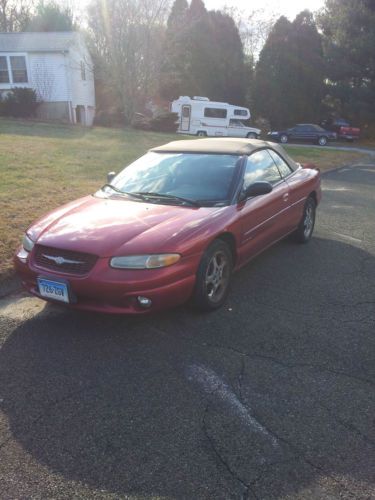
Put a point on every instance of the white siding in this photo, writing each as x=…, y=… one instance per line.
x=54, y=66
x=83, y=91
x=49, y=76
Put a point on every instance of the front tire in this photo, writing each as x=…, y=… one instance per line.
x=213, y=277
x=252, y=135
x=283, y=138
x=305, y=228
x=201, y=133
x=322, y=141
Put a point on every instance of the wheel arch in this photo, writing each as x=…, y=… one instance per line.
x=230, y=240
x=314, y=196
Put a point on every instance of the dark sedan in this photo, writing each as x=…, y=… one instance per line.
x=307, y=132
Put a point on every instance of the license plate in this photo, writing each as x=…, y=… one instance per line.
x=53, y=290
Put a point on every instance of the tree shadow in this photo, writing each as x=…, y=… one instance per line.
x=107, y=400
x=361, y=174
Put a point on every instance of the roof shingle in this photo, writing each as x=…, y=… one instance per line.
x=37, y=42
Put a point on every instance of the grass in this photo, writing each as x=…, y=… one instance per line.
x=325, y=159
x=45, y=165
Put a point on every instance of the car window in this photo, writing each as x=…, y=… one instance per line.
x=283, y=167
x=260, y=167
x=235, y=123
x=304, y=128
x=200, y=177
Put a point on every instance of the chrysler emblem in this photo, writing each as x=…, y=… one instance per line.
x=60, y=260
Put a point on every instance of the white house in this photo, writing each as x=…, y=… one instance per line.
x=58, y=66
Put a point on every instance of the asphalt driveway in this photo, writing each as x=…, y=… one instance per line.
x=271, y=397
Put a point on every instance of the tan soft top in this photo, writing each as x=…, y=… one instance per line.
x=223, y=145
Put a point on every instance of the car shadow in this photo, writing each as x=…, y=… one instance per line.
x=273, y=394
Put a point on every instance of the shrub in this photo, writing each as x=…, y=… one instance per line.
x=263, y=124
x=111, y=117
x=141, y=122
x=164, y=121
x=20, y=102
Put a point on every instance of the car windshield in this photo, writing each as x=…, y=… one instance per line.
x=178, y=178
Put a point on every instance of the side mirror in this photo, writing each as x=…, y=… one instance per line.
x=110, y=177
x=258, y=188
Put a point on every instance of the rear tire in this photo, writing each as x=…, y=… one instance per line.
x=213, y=277
x=201, y=133
x=283, y=138
x=305, y=228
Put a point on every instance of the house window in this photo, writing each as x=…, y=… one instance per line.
x=215, y=113
x=83, y=71
x=19, y=71
x=4, y=73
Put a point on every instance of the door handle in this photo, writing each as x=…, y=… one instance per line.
x=285, y=196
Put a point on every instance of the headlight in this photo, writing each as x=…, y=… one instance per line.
x=27, y=243
x=145, y=261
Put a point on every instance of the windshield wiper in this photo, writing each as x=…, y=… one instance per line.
x=125, y=193
x=151, y=194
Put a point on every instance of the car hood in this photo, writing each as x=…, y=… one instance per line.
x=108, y=227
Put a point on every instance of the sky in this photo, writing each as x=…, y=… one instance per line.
x=288, y=8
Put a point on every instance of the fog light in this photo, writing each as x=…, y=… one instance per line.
x=23, y=255
x=144, y=302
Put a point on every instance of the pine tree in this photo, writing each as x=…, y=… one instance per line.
x=349, y=48
x=289, y=79
x=51, y=16
x=174, y=64
x=307, y=68
x=228, y=73
x=197, y=10
x=272, y=75
x=203, y=55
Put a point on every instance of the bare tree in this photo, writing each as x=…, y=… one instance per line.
x=15, y=14
x=126, y=37
x=254, y=27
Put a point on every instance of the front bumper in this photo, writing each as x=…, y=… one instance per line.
x=116, y=290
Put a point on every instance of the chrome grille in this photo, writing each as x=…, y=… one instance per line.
x=64, y=261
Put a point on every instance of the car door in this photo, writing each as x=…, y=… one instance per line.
x=262, y=218
x=311, y=133
x=293, y=133
x=236, y=128
x=296, y=201
x=301, y=133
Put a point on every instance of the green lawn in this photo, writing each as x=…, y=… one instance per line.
x=45, y=165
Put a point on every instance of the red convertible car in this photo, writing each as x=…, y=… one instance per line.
x=170, y=227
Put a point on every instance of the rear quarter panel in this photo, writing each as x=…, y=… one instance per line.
x=303, y=183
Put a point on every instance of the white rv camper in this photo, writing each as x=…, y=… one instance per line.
x=202, y=117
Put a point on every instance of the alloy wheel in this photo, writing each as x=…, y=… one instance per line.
x=308, y=223
x=217, y=276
